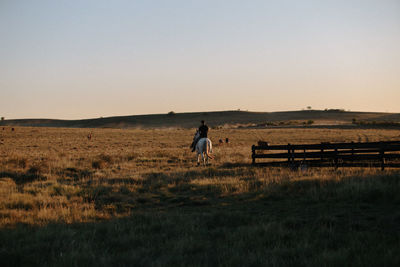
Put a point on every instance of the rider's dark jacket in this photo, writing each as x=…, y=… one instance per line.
x=203, y=130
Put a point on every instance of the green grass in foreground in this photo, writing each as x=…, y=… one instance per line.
x=354, y=221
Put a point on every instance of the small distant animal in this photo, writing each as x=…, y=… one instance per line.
x=4, y=128
x=227, y=140
x=220, y=142
x=262, y=143
x=12, y=129
x=89, y=136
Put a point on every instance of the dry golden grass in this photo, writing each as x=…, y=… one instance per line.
x=137, y=198
x=58, y=175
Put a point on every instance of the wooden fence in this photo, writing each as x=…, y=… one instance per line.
x=373, y=154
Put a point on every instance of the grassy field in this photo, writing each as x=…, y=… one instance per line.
x=137, y=198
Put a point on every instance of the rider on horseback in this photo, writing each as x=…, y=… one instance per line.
x=203, y=130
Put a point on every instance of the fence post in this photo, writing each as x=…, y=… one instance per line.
x=336, y=158
x=293, y=155
x=352, y=149
x=382, y=154
x=288, y=152
x=253, y=154
x=322, y=152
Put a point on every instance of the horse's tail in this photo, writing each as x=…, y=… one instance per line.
x=208, y=149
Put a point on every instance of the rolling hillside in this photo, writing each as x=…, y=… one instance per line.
x=214, y=119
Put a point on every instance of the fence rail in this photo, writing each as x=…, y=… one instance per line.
x=374, y=154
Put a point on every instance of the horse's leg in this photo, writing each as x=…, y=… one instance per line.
x=198, y=159
x=208, y=149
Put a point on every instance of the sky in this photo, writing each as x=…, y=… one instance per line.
x=85, y=59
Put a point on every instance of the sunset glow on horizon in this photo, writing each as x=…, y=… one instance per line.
x=86, y=59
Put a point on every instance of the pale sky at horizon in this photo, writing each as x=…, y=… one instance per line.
x=86, y=59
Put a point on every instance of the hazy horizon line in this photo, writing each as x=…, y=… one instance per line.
x=193, y=112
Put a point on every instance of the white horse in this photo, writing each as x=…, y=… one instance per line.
x=203, y=149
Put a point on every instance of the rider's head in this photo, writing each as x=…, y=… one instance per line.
x=202, y=122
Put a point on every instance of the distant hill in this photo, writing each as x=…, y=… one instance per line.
x=213, y=119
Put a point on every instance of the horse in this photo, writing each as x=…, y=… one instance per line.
x=203, y=149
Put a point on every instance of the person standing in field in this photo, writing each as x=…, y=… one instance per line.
x=203, y=132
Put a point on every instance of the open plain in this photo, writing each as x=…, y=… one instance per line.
x=135, y=197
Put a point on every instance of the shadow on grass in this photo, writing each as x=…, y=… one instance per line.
x=311, y=223
x=235, y=165
x=353, y=221
x=161, y=190
x=75, y=174
x=22, y=178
